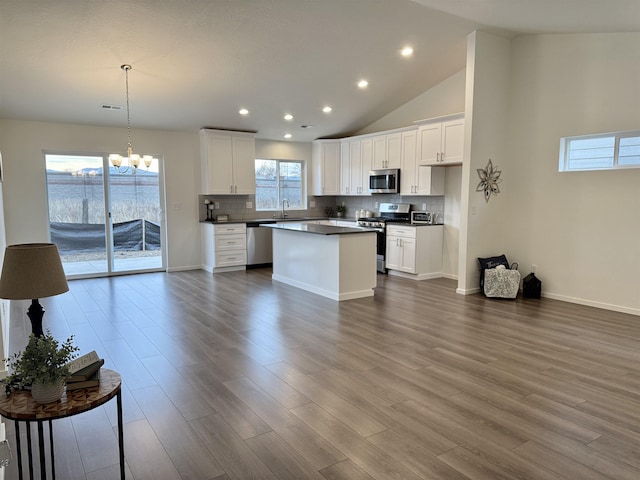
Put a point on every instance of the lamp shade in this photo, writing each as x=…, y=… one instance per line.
x=32, y=270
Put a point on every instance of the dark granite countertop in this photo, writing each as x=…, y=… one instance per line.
x=318, y=229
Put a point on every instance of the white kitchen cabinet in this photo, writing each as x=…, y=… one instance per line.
x=224, y=246
x=430, y=180
x=387, y=151
x=227, y=162
x=325, y=159
x=414, y=250
x=354, y=173
x=418, y=179
x=408, y=166
x=441, y=142
x=345, y=167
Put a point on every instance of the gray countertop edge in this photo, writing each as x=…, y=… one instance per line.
x=316, y=229
x=273, y=220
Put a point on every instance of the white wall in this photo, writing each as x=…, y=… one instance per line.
x=581, y=229
x=284, y=151
x=484, y=227
x=22, y=144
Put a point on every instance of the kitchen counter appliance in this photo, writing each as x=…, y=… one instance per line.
x=389, y=213
x=259, y=245
x=426, y=218
x=384, y=181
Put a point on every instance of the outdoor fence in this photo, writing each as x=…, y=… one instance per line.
x=134, y=235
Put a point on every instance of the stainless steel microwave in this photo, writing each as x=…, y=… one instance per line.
x=384, y=181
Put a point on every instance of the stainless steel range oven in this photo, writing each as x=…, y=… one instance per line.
x=389, y=213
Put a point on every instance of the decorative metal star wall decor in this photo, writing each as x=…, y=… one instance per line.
x=489, y=180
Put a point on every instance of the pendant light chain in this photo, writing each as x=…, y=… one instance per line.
x=126, y=69
x=133, y=160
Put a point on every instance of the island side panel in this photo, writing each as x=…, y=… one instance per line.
x=339, y=266
x=358, y=275
x=306, y=260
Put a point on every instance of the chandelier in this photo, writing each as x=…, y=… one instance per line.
x=132, y=159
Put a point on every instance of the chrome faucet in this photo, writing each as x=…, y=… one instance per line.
x=284, y=201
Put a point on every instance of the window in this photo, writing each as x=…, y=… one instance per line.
x=600, y=152
x=279, y=180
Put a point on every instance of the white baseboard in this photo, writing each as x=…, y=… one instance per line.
x=413, y=276
x=467, y=291
x=590, y=303
x=450, y=276
x=185, y=269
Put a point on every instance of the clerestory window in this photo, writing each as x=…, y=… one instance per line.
x=600, y=152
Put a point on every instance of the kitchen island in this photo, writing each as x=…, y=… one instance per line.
x=335, y=262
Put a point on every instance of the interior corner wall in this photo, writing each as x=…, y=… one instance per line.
x=483, y=229
x=22, y=144
x=581, y=229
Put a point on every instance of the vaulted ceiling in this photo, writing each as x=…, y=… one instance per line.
x=196, y=63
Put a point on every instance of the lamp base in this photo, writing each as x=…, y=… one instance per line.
x=35, y=314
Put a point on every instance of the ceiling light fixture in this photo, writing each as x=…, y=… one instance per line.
x=243, y=111
x=133, y=159
x=288, y=116
x=287, y=135
x=363, y=84
x=327, y=109
x=406, y=51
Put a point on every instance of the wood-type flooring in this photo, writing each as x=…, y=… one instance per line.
x=233, y=376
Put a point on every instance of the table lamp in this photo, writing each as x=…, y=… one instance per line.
x=32, y=271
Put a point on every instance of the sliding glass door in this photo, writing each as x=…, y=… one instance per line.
x=105, y=219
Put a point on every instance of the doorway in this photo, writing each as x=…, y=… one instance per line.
x=105, y=220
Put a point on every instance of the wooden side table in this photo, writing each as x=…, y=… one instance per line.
x=20, y=407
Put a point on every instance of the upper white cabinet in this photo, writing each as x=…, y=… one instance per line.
x=418, y=179
x=387, y=151
x=355, y=163
x=227, y=162
x=409, y=167
x=325, y=159
x=441, y=142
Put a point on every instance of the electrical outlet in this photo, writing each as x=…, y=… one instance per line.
x=249, y=205
x=533, y=268
x=312, y=204
x=424, y=206
x=217, y=204
x=377, y=205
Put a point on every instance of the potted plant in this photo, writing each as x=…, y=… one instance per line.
x=44, y=365
x=340, y=209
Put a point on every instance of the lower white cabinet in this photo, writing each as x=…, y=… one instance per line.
x=224, y=246
x=415, y=250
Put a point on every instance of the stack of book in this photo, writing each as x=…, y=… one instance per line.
x=85, y=371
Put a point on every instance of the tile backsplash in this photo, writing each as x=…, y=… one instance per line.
x=243, y=207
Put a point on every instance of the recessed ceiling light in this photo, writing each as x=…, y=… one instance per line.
x=327, y=109
x=363, y=84
x=287, y=135
x=406, y=51
x=112, y=107
x=288, y=116
x=243, y=111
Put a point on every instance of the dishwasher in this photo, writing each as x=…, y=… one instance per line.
x=259, y=245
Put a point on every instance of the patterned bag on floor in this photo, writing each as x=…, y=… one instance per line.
x=501, y=282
